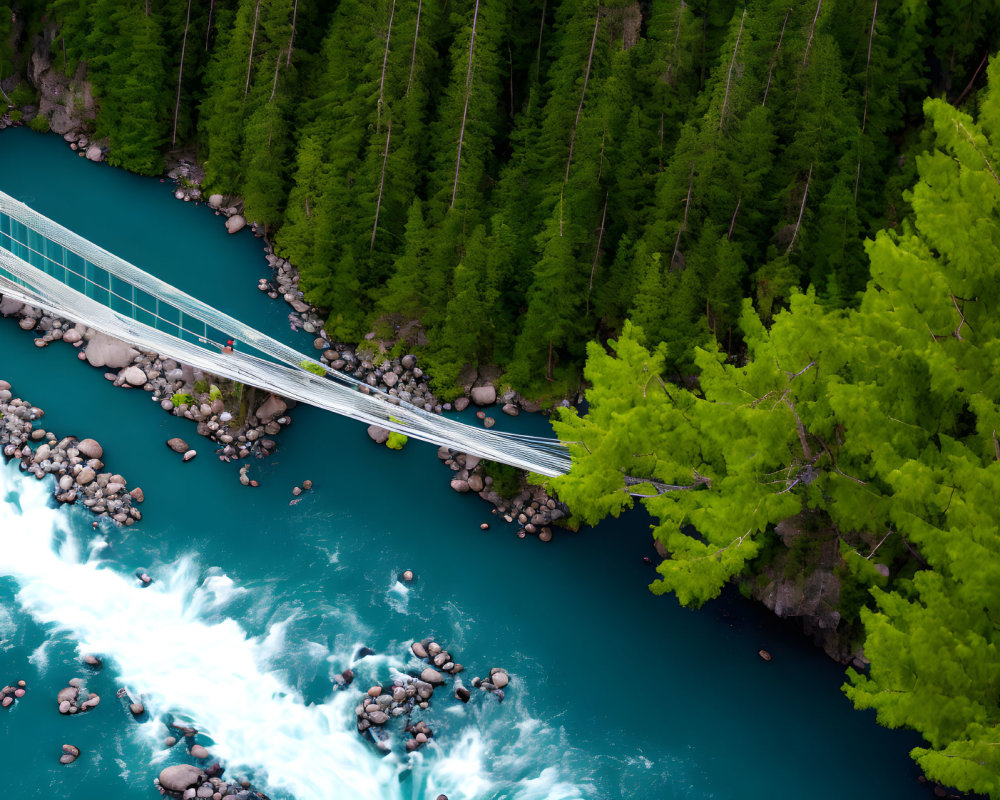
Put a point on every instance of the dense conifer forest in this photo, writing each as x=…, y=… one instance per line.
x=776, y=257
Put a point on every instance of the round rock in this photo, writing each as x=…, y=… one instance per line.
x=91, y=449
x=133, y=377
x=197, y=751
x=432, y=676
x=180, y=777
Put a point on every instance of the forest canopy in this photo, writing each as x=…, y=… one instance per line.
x=508, y=179
x=881, y=420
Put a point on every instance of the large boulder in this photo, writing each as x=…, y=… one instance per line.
x=178, y=445
x=377, y=434
x=216, y=200
x=134, y=376
x=94, y=153
x=181, y=777
x=235, y=223
x=273, y=407
x=103, y=351
x=483, y=395
x=9, y=306
x=431, y=676
x=90, y=449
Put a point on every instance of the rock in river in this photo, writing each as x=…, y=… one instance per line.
x=178, y=445
x=431, y=676
x=90, y=449
x=377, y=434
x=180, y=777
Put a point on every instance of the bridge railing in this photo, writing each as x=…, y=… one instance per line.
x=45, y=264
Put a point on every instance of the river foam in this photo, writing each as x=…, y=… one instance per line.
x=170, y=643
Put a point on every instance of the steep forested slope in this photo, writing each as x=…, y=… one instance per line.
x=521, y=176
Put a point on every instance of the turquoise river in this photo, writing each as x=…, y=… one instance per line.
x=257, y=604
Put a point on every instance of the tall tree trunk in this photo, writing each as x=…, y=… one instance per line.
x=180, y=74
x=864, y=116
x=732, y=222
x=548, y=372
x=868, y=66
x=381, y=83
x=774, y=60
x=677, y=38
x=208, y=27
x=291, y=39
x=274, y=84
x=597, y=253
x=812, y=31
x=381, y=183
x=413, y=55
x=659, y=158
x=683, y=227
x=147, y=8
x=802, y=208
x=465, y=111
x=253, y=39
x=732, y=62
x=583, y=94
x=538, y=54
x=510, y=60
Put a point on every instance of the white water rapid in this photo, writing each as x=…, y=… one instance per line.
x=160, y=642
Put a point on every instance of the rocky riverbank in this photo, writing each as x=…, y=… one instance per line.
x=75, y=463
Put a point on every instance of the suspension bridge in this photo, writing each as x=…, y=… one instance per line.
x=51, y=268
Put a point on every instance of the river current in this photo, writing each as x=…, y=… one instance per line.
x=258, y=603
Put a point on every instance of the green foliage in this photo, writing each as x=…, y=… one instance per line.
x=396, y=441
x=40, y=124
x=214, y=393
x=201, y=386
x=182, y=398
x=881, y=418
x=313, y=367
x=23, y=95
x=506, y=479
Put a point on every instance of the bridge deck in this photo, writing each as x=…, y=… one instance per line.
x=47, y=266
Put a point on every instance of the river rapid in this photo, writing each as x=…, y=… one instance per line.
x=257, y=603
